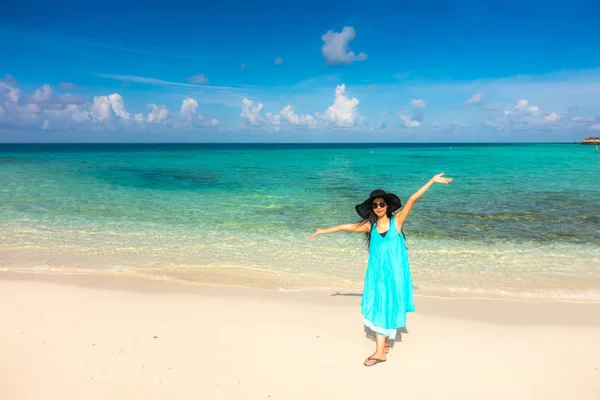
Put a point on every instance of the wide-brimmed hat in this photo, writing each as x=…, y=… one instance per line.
x=393, y=202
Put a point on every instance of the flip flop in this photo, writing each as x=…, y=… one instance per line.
x=377, y=361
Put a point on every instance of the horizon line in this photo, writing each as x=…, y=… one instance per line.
x=294, y=143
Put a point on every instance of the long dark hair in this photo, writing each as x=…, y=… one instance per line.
x=372, y=218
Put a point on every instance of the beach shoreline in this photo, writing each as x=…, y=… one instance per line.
x=121, y=337
x=244, y=277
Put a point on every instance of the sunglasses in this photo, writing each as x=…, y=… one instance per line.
x=377, y=205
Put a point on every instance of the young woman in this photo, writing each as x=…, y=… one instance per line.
x=388, y=291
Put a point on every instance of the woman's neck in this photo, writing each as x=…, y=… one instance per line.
x=383, y=218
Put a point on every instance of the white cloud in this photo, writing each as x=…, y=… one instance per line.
x=274, y=120
x=42, y=95
x=551, y=118
x=525, y=116
x=407, y=122
x=522, y=108
x=344, y=111
x=553, y=114
x=11, y=92
x=335, y=48
x=101, y=108
x=158, y=114
x=118, y=106
x=476, y=98
x=490, y=107
x=200, y=79
x=77, y=113
x=29, y=109
x=251, y=112
x=490, y=124
x=215, y=122
x=290, y=116
x=189, y=110
x=278, y=61
x=14, y=94
x=595, y=127
x=45, y=110
x=418, y=103
x=71, y=112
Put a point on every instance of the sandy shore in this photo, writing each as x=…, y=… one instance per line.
x=114, y=337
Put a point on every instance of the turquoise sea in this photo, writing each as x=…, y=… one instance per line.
x=519, y=220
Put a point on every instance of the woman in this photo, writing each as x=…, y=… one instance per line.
x=388, y=292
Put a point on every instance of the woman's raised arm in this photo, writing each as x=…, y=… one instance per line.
x=363, y=226
x=401, y=216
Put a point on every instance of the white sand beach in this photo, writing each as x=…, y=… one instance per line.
x=116, y=337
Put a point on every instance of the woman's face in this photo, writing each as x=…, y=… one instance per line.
x=379, y=207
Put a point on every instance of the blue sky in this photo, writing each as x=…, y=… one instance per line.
x=300, y=71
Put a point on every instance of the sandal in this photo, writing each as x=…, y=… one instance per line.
x=377, y=361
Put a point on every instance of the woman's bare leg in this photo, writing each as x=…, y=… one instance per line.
x=379, y=350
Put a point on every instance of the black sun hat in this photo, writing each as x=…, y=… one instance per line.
x=393, y=202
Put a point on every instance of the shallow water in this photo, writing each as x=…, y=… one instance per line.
x=518, y=220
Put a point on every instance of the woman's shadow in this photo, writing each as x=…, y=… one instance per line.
x=369, y=333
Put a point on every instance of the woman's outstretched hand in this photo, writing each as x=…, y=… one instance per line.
x=318, y=231
x=438, y=179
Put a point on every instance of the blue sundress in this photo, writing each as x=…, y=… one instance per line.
x=388, y=290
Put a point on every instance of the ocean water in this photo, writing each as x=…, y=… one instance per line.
x=519, y=220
